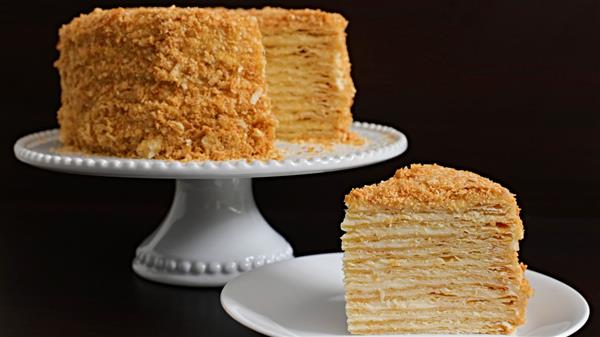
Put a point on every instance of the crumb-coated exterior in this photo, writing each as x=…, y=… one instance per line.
x=432, y=187
x=165, y=83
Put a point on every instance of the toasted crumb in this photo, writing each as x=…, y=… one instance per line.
x=165, y=83
x=431, y=186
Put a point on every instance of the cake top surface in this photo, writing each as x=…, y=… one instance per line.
x=432, y=187
x=167, y=13
x=283, y=19
x=169, y=16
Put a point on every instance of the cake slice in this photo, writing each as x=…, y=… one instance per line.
x=433, y=250
x=308, y=72
x=165, y=83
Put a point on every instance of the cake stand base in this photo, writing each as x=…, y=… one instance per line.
x=212, y=233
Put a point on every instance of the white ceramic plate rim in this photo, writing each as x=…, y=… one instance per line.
x=385, y=143
x=228, y=303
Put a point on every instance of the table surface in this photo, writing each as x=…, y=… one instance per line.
x=56, y=279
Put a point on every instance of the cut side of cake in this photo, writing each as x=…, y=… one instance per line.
x=433, y=250
x=308, y=72
x=165, y=83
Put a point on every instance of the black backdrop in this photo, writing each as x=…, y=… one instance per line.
x=508, y=89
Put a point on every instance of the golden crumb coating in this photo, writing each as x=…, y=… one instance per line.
x=432, y=187
x=308, y=72
x=165, y=83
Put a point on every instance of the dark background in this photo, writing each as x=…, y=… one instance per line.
x=508, y=89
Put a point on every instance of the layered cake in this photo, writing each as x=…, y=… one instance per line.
x=308, y=72
x=433, y=250
x=165, y=83
x=191, y=83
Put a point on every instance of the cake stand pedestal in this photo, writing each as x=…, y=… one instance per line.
x=214, y=231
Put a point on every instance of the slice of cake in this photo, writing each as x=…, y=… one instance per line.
x=308, y=72
x=433, y=250
x=165, y=83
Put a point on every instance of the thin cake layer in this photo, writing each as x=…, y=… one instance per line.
x=165, y=83
x=308, y=72
x=433, y=250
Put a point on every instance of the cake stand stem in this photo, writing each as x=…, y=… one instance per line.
x=212, y=233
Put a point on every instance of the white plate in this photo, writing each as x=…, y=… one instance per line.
x=382, y=143
x=305, y=297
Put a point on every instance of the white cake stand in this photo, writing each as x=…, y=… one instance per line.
x=214, y=230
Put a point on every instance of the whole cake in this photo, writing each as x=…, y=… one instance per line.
x=308, y=72
x=433, y=250
x=165, y=83
x=191, y=83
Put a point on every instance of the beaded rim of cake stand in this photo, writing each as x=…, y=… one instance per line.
x=159, y=263
x=24, y=152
